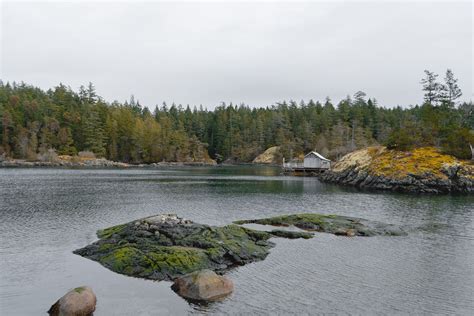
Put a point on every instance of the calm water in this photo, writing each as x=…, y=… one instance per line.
x=47, y=213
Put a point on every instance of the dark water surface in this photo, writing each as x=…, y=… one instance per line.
x=47, y=213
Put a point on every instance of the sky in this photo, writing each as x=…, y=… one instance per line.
x=241, y=52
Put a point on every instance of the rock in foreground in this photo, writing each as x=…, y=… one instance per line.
x=80, y=301
x=334, y=224
x=423, y=170
x=204, y=285
x=164, y=247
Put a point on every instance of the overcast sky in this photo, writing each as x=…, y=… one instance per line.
x=206, y=53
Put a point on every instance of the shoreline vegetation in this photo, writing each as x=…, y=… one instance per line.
x=34, y=122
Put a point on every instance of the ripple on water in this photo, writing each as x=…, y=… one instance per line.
x=47, y=213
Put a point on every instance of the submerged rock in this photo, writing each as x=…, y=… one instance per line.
x=80, y=301
x=204, y=285
x=334, y=224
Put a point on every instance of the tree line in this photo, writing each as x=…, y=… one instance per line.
x=34, y=121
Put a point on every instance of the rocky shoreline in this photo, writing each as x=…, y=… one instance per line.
x=94, y=163
x=423, y=170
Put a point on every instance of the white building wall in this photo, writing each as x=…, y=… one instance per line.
x=312, y=162
x=315, y=162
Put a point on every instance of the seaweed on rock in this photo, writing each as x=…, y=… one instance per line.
x=164, y=247
x=333, y=224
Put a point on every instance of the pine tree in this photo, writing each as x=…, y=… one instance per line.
x=433, y=89
x=94, y=137
x=451, y=90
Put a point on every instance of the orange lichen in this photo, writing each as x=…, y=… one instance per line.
x=398, y=164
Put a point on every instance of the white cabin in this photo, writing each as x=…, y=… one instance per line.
x=314, y=160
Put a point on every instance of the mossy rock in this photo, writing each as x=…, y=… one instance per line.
x=151, y=249
x=165, y=247
x=327, y=224
x=291, y=234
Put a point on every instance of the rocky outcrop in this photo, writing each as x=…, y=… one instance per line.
x=423, y=170
x=334, y=224
x=165, y=247
x=98, y=163
x=80, y=301
x=270, y=156
x=204, y=285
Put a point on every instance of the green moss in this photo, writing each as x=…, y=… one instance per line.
x=333, y=224
x=178, y=260
x=289, y=220
x=105, y=247
x=79, y=289
x=126, y=260
x=182, y=249
x=108, y=232
x=291, y=234
x=256, y=234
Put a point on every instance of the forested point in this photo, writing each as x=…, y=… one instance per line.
x=35, y=122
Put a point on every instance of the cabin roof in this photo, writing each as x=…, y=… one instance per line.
x=317, y=155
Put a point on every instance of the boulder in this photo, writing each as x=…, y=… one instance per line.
x=204, y=285
x=77, y=302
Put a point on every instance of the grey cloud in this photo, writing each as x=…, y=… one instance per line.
x=205, y=53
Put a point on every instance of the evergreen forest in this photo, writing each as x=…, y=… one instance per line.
x=34, y=121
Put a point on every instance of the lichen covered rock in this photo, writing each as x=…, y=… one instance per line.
x=164, y=247
x=204, y=285
x=423, y=170
x=334, y=224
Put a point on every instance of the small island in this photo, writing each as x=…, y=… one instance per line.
x=164, y=247
x=421, y=170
